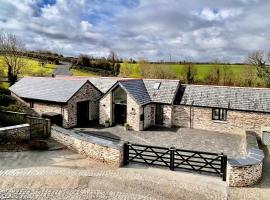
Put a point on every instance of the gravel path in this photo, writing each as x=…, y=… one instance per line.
x=66, y=175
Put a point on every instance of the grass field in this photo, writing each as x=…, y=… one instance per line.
x=31, y=68
x=203, y=70
x=77, y=72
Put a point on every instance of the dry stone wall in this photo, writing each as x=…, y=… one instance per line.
x=96, y=148
x=16, y=133
x=246, y=171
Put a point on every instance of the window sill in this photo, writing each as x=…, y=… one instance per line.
x=220, y=121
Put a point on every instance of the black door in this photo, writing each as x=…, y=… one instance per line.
x=159, y=114
x=82, y=112
x=120, y=113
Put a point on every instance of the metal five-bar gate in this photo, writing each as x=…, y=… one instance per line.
x=177, y=159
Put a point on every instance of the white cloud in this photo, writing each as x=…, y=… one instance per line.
x=198, y=30
x=217, y=15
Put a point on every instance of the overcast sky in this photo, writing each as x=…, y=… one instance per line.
x=198, y=30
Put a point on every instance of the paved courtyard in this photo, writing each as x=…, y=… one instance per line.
x=185, y=138
x=64, y=174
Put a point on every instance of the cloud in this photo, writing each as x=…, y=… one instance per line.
x=217, y=15
x=156, y=30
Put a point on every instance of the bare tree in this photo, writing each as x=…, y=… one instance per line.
x=12, y=49
x=256, y=58
x=260, y=59
x=113, y=59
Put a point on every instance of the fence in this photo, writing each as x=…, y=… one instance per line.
x=176, y=159
x=39, y=127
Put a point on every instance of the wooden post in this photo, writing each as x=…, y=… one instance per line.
x=172, y=150
x=126, y=153
x=224, y=167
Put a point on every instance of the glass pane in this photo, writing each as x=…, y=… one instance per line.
x=216, y=114
x=119, y=96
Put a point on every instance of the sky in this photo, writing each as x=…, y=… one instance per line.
x=194, y=30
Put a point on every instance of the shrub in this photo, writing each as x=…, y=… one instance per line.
x=5, y=100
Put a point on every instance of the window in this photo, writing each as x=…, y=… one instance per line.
x=219, y=114
x=31, y=104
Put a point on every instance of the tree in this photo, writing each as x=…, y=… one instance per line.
x=214, y=75
x=259, y=59
x=227, y=75
x=248, y=76
x=112, y=57
x=12, y=50
x=190, y=73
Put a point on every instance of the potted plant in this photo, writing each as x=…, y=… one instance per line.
x=126, y=125
x=107, y=123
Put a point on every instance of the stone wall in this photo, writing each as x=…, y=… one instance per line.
x=167, y=115
x=133, y=114
x=16, y=133
x=237, y=121
x=149, y=115
x=105, y=109
x=96, y=148
x=242, y=176
x=246, y=171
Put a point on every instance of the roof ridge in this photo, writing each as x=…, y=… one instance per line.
x=226, y=86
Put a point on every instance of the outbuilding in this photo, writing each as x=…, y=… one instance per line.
x=76, y=100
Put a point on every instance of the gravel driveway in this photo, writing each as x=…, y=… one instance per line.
x=65, y=175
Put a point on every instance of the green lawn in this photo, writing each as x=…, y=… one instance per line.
x=31, y=68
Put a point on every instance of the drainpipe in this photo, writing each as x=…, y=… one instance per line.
x=143, y=116
x=190, y=120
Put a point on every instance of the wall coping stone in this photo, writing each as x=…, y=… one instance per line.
x=90, y=138
x=254, y=154
x=13, y=127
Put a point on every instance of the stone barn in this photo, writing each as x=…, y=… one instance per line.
x=76, y=100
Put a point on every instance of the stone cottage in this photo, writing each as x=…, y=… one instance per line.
x=146, y=102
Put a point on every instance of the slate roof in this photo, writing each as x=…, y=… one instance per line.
x=237, y=98
x=137, y=90
x=47, y=89
x=166, y=92
x=103, y=83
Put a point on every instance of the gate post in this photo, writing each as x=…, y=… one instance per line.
x=224, y=167
x=126, y=153
x=172, y=150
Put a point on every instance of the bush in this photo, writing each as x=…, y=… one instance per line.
x=5, y=100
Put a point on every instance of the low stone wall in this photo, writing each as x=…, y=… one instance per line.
x=16, y=133
x=246, y=171
x=97, y=148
